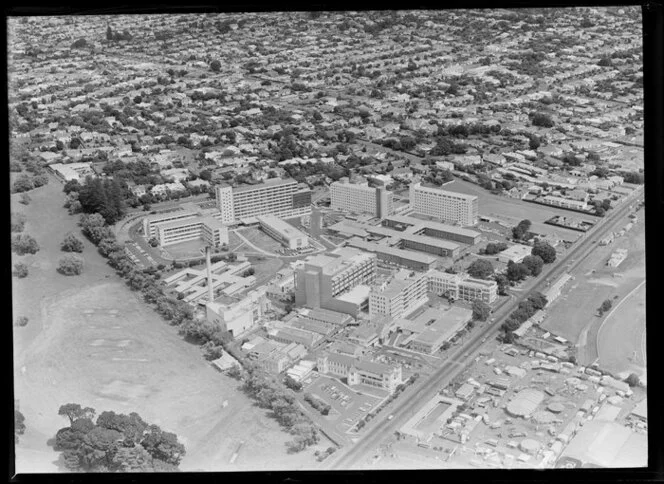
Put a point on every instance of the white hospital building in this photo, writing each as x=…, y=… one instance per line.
x=445, y=205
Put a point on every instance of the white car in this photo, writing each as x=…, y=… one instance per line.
x=390, y=417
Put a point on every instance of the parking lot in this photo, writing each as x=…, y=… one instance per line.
x=348, y=407
x=139, y=256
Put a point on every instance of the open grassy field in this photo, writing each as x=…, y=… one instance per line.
x=574, y=315
x=621, y=340
x=92, y=341
x=513, y=211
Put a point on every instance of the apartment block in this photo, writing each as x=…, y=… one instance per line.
x=400, y=295
x=461, y=286
x=360, y=198
x=445, y=205
x=564, y=202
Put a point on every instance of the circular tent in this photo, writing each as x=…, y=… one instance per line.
x=529, y=446
x=525, y=402
x=543, y=417
x=555, y=407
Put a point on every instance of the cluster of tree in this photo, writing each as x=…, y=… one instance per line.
x=634, y=177
x=321, y=406
x=446, y=147
x=438, y=176
x=284, y=407
x=520, y=232
x=71, y=243
x=70, y=265
x=524, y=311
x=465, y=130
x=293, y=384
x=545, y=251
x=102, y=196
x=494, y=248
x=530, y=266
x=19, y=425
x=606, y=305
x=24, y=244
x=481, y=310
x=601, y=206
x=116, y=36
x=541, y=119
x=301, y=172
x=480, y=269
x=20, y=270
x=115, y=443
x=571, y=159
x=25, y=183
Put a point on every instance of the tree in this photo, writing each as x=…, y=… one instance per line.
x=606, y=305
x=71, y=243
x=517, y=272
x=22, y=321
x=24, y=244
x=17, y=221
x=480, y=269
x=633, y=380
x=481, y=310
x=494, y=248
x=538, y=300
x=521, y=229
x=215, y=66
x=109, y=33
x=25, y=199
x=79, y=44
x=20, y=270
x=70, y=265
x=542, y=120
x=19, y=425
x=74, y=411
x=71, y=186
x=163, y=445
x=634, y=177
x=23, y=183
x=502, y=282
x=94, y=227
x=235, y=371
x=545, y=251
x=534, y=264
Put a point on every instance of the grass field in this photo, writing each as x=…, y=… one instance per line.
x=621, y=339
x=513, y=211
x=573, y=315
x=91, y=340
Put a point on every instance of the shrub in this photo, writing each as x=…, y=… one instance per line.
x=25, y=199
x=17, y=221
x=22, y=321
x=71, y=243
x=20, y=270
x=24, y=244
x=70, y=265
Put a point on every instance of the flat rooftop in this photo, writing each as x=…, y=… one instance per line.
x=393, y=251
x=432, y=241
x=272, y=182
x=283, y=228
x=433, y=188
x=356, y=295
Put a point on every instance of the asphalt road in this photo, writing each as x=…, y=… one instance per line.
x=424, y=389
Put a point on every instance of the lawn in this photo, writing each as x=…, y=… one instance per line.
x=260, y=239
x=92, y=341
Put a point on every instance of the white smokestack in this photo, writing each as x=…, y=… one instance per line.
x=209, y=274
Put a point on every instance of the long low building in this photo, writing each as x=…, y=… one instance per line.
x=432, y=229
x=283, y=232
x=431, y=329
x=394, y=256
x=211, y=230
x=429, y=245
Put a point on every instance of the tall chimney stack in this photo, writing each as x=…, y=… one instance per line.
x=209, y=273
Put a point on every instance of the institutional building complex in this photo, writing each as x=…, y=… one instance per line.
x=445, y=205
x=283, y=198
x=185, y=225
x=338, y=281
x=361, y=372
x=461, y=286
x=360, y=198
x=283, y=232
x=400, y=295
